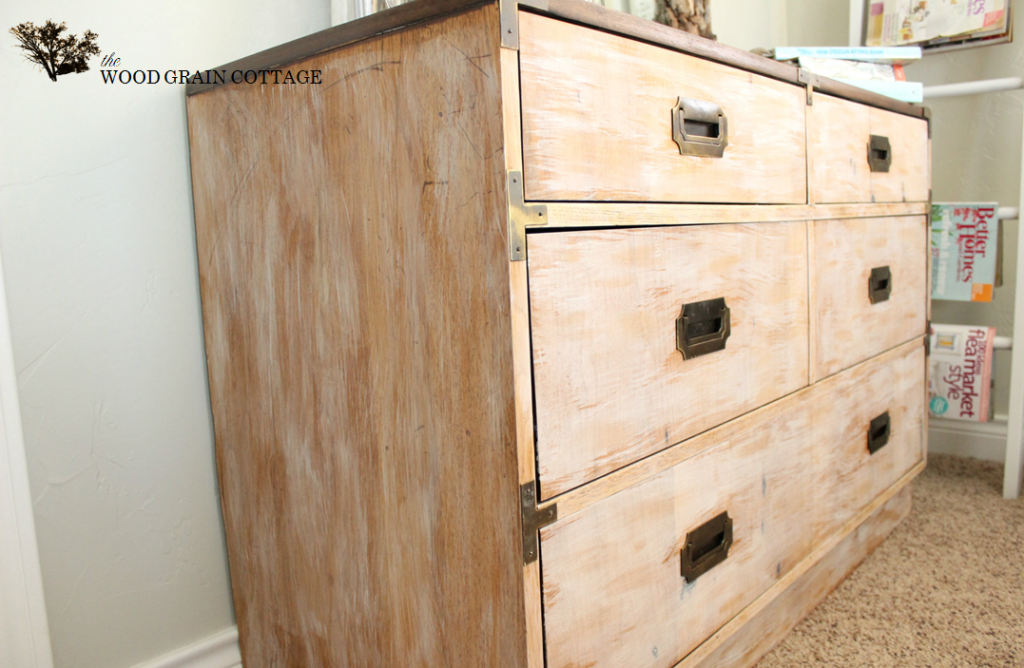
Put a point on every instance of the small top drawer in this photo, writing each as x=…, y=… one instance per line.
x=864, y=154
x=598, y=114
x=609, y=311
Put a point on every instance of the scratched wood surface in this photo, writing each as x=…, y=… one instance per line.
x=597, y=122
x=610, y=385
x=839, y=132
x=613, y=593
x=761, y=633
x=845, y=326
x=354, y=275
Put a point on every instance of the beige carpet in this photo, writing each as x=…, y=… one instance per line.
x=945, y=589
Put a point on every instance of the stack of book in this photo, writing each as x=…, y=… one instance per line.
x=878, y=69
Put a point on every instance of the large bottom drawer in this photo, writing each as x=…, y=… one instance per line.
x=614, y=591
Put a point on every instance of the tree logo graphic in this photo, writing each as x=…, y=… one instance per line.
x=57, y=54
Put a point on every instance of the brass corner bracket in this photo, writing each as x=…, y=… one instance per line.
x=509, y=10
x=810, y=80
x=521, y=215
x=534, y=519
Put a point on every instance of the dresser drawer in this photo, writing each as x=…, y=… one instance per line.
x=869, y=291
x=597, y=119
x=611, y=385
x=614, y=593
x=843, y=135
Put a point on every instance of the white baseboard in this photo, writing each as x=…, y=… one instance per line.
x=980, y=440
x=217, y=651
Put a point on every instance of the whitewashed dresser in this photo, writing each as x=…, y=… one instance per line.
x=548, y=337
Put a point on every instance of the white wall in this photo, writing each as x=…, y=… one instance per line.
x=97, y=239
x=748, y=24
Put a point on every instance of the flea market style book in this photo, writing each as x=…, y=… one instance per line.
x=963, y=245
x=960, y=372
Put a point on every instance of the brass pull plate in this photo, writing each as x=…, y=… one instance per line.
x=703, y=327
x=706, y=546
x=879, y=153
x=879, y=285
x=699, y=128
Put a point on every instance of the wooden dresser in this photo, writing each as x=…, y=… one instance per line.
x=548, y=337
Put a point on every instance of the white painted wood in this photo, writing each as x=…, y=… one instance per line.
x=973, y=87
x=856, y=22
x=217, y=651
x=24, y=632
x=1008, y=213
x=1015, y=427
x=1002, y=343
x=980, y=440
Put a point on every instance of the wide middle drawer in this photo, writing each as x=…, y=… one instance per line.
x=609, y=118
x=612, y=312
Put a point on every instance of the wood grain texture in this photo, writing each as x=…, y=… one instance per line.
x=521, y=359
x=622, y=214
x=839, y=134
x=609, y=383
x=354, y=273
x=845, y=326
x=613, y=595
x=773, y=623
x=595, y=129
x=582, y=497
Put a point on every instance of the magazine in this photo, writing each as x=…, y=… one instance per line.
x=960, y=372
x=963, y=246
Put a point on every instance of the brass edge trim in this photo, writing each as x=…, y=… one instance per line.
x=535, y=518
x=521, y=215
x=509, y=10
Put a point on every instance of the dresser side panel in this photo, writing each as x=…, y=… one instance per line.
x=353, y=265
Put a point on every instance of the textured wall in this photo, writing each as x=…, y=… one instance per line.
x=99, y=260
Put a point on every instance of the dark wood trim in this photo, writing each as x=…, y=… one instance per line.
x=379, y=23
x=576, y=11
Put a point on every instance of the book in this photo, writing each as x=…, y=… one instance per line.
x=882, y=54
x=963, y=247
x=907, y=91
x=960, y=378
x=853, y=69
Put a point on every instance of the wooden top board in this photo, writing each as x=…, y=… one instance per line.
x=576, y=11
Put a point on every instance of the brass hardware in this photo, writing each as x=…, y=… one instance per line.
x=521, y=215
x=699, y=128
x=706, y=546
x=509, y=19
x=879, y=153
x=878, y=433
x=534, y=519
x=926, y=114
x=702, y=328
x=810, y=80
x=879, y=284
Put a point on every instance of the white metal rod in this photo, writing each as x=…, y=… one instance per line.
x=1002, y=343
x=1015, y=424
x=1008, y=213
x=973, y=87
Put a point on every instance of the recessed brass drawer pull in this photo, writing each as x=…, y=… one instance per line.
x=879, y=284
x=702, y=328
x=699, y=128
x=878, y=433
x=879, y=153
x=706, y=546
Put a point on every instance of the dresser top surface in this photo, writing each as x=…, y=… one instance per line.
x=577, y=11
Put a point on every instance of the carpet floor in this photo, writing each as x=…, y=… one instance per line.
x=945, y=589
